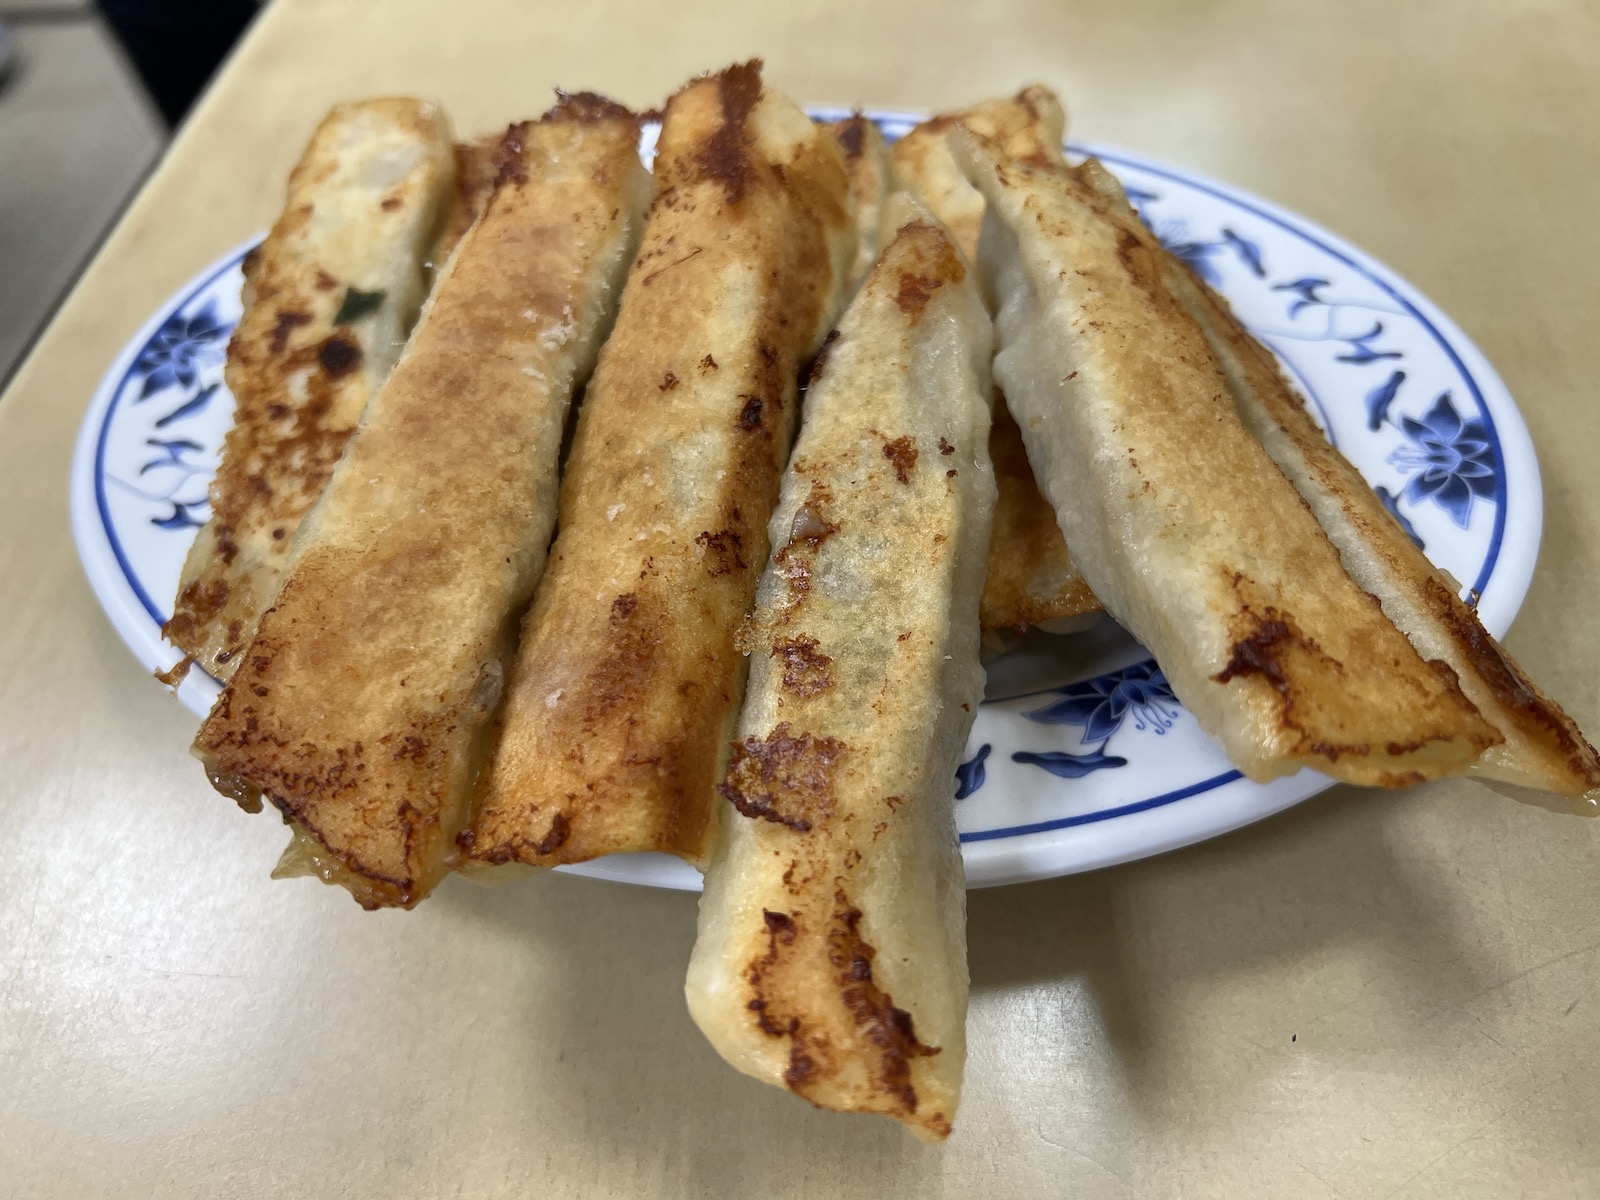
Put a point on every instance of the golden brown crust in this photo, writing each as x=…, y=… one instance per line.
x=850, y=1028
x=477, y=168
x=1028, y=126
x=1543, y=747
x=830, y=956
x=335, y=285
x=1031, y=576
x=1180, y=520
x=1543, y=754
x=627, y=677
x=478, y=165
x=363, y=704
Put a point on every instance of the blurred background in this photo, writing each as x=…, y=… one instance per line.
x=89, y=94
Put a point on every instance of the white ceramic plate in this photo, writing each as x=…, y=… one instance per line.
x=1080, y=757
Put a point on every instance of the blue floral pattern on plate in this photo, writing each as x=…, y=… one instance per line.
x=1451, y=461
x=183, y=347
x=1096, y=761
x=971, y=775
x=1099, y=706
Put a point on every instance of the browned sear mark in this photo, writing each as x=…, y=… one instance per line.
x=797, y=571
x=855, y=1004
x=1535, y=711
x=902, y=452
x=801, y=1067
x=783, y=778
x=287, y=323
x=1132, y=253
x=586, y=107
x=1261, y=653
x=945, y=447
x=750, y=414
x=779, y=925
x=509, y=167
x=852, y=134
x=888, y=1028
x=726, y=551
x=560, y=830
x=338, y=357
x=511, y=851
x=915, y=292
x=781, y=930
x=726, y=155
x=200, y=602
x=412, y=747
x=813, y=371
x=805, y=668
x=669, y=382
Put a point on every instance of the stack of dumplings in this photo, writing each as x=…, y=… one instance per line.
x=837, y=410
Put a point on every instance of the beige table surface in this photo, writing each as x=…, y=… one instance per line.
x=1369, y=996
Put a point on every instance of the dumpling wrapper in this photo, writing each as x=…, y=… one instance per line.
x=329, y=299
x=1030, y=126
x=627, y=680
x=831, y=956
x=477, y=169
x=362, y=707
x=1031, y=579
x=1544, y=759
x=1180, y=521
x=866, y=157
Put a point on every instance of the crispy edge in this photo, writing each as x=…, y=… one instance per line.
x=270, y=476
x=245, y=755
x=808, y=973
x=1270, y=651
x=1555, y=756
x=628, y=648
